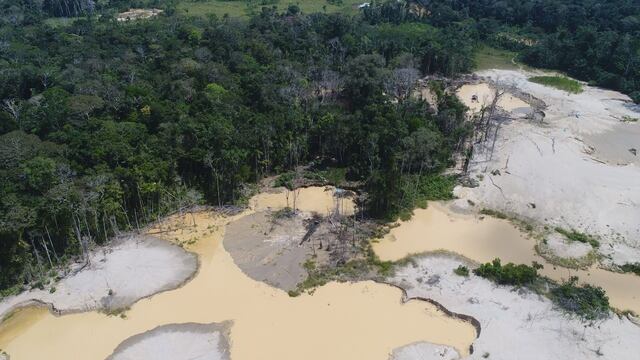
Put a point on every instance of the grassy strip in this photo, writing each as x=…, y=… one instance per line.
x=578, y=236
x=494, y=213
x=558, y=82
x=246, y=8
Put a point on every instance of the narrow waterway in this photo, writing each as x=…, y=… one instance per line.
x=363, y=320
x=482, y=240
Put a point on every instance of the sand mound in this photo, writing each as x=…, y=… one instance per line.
x=117, y=276
x=177, y=342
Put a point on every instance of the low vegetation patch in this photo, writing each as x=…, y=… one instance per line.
x=632, y=268
x=494, y=213
x=417, y=190
x=509, y=274
x=573, y=235
x=588, y=302
x=461, y=270
x=559, y=82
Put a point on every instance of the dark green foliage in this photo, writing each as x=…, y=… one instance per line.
x=586, y=39
x=105, y=125
x=578, y=236
x=631, y=267
x=461, y=270
x=509, y=274
x=589, y=302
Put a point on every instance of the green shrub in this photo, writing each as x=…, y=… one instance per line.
x=577, y=236
x=589, y=302
x=461, y=270
x=437, y=187
x=632, y=268
x=285, y=180
x=509, y=274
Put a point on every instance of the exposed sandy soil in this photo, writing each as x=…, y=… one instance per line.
x=516, y=323
x=321, y=200
x=484, y=238
x=564, y=172
x=107, y=282
x=339, y=321
x=177, y=342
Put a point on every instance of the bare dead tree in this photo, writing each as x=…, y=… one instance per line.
x=12, y=106
x=401, y=83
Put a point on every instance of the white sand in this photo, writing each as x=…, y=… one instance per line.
x=516, y=324
x=424, y=351
x=132, y=269
x=552, y=166
x=176, y=342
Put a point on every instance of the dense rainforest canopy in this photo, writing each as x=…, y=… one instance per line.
x=105, y=125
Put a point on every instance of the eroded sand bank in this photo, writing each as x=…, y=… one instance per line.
x=339, y=321
x=482, y=240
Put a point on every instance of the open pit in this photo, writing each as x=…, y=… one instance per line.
x=338, y=321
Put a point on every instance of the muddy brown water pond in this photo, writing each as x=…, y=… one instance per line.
x=362, y=320
x=482, y=240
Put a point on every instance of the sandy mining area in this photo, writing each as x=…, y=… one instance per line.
x=572, y=170
x=516, y=323
x=107, y=284
x=484, y=238
x=338, y=321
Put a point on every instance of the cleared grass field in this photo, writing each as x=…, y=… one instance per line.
x=559, y=82
x=244, y=8
x=487, y=57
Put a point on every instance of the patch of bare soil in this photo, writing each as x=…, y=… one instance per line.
x=268, y=247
